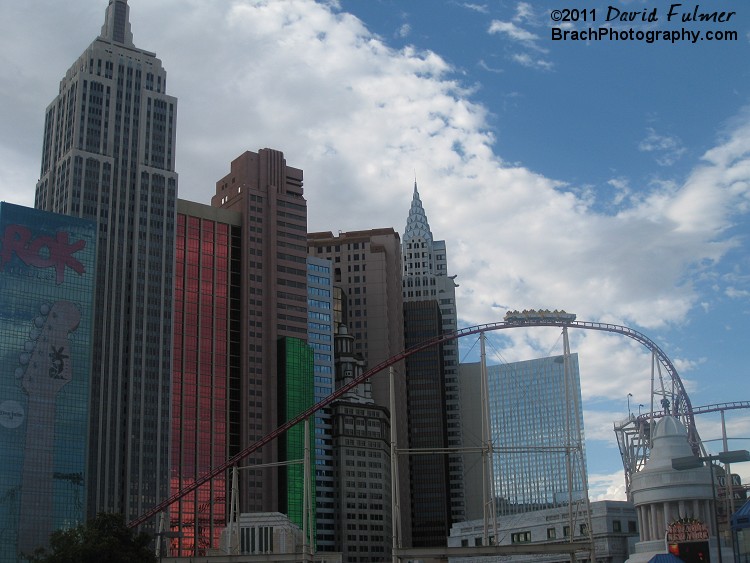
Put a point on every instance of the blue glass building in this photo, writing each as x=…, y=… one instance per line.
x=532, y=419
x=47, y=271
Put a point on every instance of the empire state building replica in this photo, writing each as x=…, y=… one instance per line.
x=109, y=155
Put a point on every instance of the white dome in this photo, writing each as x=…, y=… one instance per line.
x=670, y=440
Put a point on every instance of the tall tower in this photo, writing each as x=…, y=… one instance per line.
x=533, y=418
x=206, y=370
x=108, y=155
x=430, y=310
x=320, y=335
x=269, y=196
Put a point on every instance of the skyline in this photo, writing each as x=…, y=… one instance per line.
x=616, y=174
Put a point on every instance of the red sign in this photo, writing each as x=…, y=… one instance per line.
x=41, y=252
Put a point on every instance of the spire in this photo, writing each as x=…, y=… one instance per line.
x=417, y=225
x=116, y=26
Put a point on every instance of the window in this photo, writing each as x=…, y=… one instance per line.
x=632, y=528
x=616, y=526
x=566, y=531
x=521, y=537
x=551, y=533
x=583, y=529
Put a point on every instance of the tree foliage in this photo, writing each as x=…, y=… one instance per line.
x=105, y=539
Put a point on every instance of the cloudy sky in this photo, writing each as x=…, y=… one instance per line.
x=610, y=178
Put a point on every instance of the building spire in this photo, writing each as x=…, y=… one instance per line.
x=417, y=225
x=116, y=28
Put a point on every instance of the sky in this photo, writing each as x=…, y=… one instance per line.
x=606, y=177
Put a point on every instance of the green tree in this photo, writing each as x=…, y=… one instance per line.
x=105, y=539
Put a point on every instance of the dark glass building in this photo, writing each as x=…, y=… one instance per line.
x=425, y=392
x=47, y=276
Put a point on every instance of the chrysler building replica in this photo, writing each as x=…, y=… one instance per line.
x=430, y=308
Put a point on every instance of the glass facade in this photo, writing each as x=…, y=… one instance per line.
x=295, y=361
x=320, y=336
x=530, y=413
x=425, y=389
x=47, y=273
x=205, y=357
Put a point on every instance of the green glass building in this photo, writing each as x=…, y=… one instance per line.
x=47, y=269
x=295, y=364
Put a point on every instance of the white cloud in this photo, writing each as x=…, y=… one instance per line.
x=668, y=149
x=527, y=60
x=607, y=486
x=481, y=8
x=524, y=13
x=512, y=31
x=403, y=31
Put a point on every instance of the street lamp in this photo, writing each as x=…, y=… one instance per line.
x=639, y=409
x=694, y=462
x=629, y=395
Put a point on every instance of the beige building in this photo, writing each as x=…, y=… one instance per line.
x=367, y=267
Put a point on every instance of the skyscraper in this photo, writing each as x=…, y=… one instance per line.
x=320, y=337
x=367, y=269
x=430, y=310
x=533, y=418
x=425, y=392
x=108, y=155
x=206, y=376
x=268, y=195
x=47, y=275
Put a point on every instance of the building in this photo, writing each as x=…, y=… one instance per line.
x=47, y=282
x=367, y=269
x=676, y=508
x=268, y=195
x=432, y=381
x=206, y=370
x=532, y=419
x=362, y=463
x=429, y=484
x=108, y=155
x=613, y=524
x=320, y=338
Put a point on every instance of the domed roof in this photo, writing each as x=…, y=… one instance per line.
x=670, y=440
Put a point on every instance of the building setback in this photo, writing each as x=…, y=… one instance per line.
x=108, y=155
x=268, y=195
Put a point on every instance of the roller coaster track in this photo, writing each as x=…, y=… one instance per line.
x=680, y=405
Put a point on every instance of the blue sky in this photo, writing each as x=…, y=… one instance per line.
x=610, y=179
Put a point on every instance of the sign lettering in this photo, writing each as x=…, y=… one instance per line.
x=42, y=252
